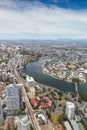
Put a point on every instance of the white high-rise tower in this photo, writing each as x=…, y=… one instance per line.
x=70, y=108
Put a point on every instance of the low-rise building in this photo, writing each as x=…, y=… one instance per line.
x=46, y=102
x=10, y=121
x=30, y=82
x=32, y=91
x=23, y=122
x=42, y=119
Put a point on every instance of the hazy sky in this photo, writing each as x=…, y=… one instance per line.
x=43, y=19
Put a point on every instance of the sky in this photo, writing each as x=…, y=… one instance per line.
x=43, y=19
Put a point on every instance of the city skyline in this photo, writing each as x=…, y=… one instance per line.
x=43, y=19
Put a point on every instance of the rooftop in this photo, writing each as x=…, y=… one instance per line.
x=70, y=105
x=29, y=79
x=23, y=119
x=74, y=124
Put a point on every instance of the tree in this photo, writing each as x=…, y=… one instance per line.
x=48, y=114
x=77, y=80
x=60, y=98
x=62, y=118
x=60, y=93
x=83, y=96
x=31, y=127
x=60, y=105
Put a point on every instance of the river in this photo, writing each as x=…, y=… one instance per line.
x=34, y=69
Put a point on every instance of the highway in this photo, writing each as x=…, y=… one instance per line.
x=33, y=118
x=29, y=109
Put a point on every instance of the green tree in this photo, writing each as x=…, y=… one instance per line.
x=77, y=80
x=48, y=114
x=31, y=127
x=83, y=96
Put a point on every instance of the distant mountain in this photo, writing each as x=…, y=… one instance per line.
x=59, y=41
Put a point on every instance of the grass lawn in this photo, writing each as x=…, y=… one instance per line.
x=81, y=126
x=62, y=102
x=71, y=66
x=49, y=126
x=57, y=118
x=54, y=117
x=39, y=89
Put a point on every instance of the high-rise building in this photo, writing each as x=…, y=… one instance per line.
x=30, y=82
x=70, y=108
x=14, y=97
x=1, y=113
x=23, y=123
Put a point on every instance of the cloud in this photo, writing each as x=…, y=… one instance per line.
x=27, y=19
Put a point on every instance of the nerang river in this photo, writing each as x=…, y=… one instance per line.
x=34, y=69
